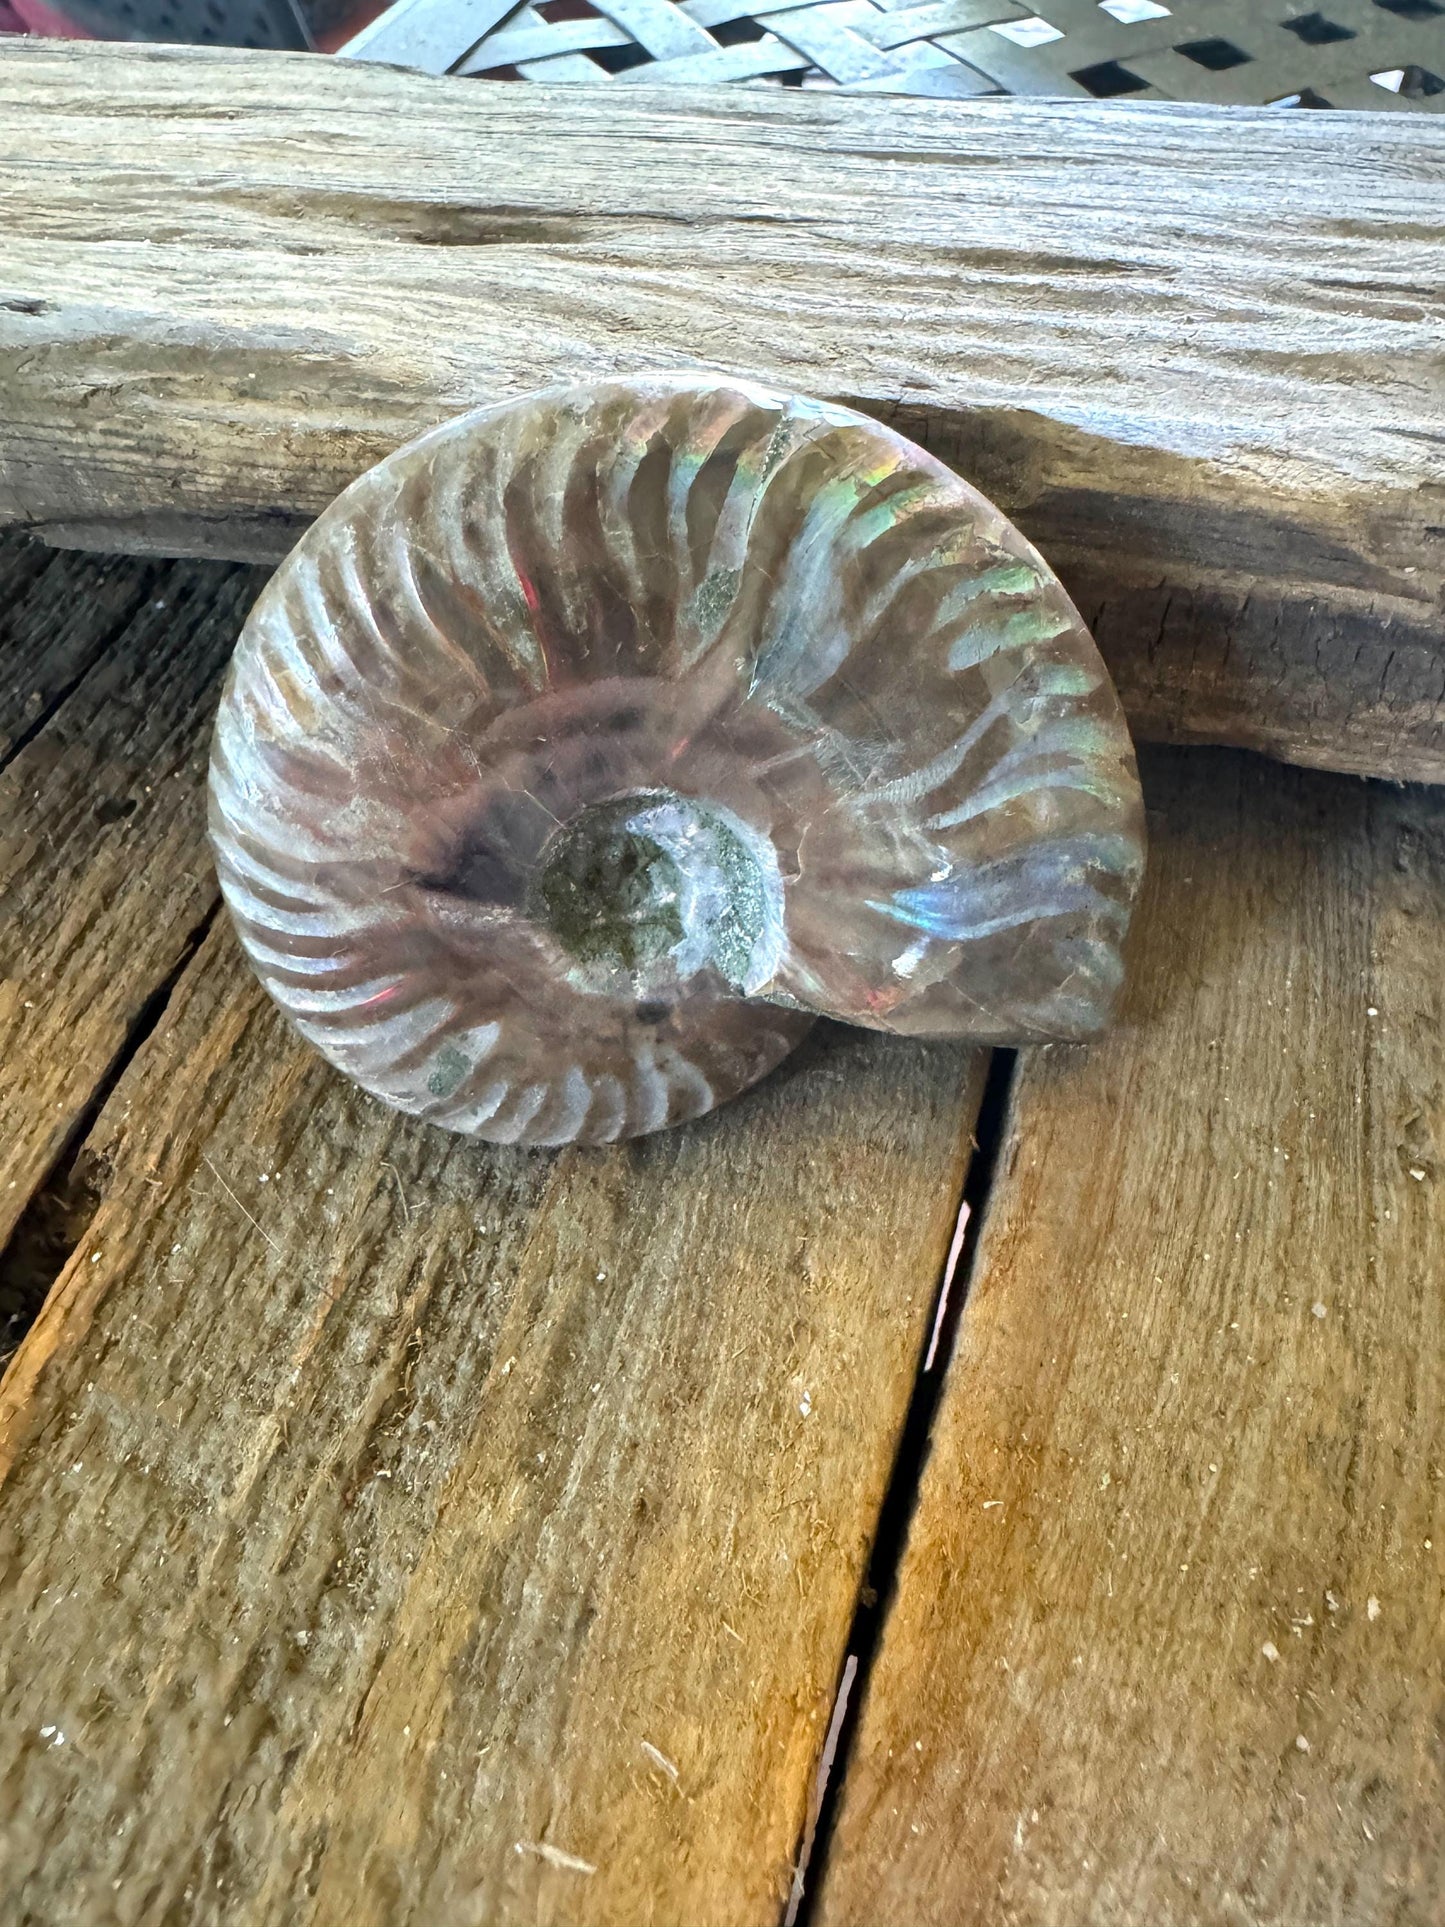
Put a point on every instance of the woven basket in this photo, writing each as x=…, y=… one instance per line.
x=1337, y=53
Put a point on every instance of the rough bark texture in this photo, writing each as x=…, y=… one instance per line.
x=1168, y=1641
x=1194, y=352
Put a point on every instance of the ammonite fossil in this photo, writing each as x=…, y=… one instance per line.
x=586, y=748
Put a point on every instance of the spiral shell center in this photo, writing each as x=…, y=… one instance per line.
x=646, y=891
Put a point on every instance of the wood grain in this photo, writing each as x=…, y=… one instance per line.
x=58, y=613
x=222, y=295
x=105, y=878
x=1168, y=1642
x=401, y=1530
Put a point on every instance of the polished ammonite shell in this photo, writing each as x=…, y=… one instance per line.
x=585, y=748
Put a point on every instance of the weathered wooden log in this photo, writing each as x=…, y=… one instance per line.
x=1194, y=352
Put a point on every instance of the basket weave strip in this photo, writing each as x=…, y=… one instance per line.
x=1342, y=53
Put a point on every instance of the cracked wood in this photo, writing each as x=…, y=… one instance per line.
x=1194, y=352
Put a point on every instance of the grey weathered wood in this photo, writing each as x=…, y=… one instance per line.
x=1193, y=352
x=1167, y=1639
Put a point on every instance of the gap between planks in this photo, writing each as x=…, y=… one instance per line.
x=109, y=671
x=875, y=1596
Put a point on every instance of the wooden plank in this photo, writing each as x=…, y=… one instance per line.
x=58, y=613
x=398, y=1529
x=1167, y=1640
x=222, y=295
x=105, y=878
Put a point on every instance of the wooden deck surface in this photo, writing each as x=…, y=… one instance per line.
x=396, y=1530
